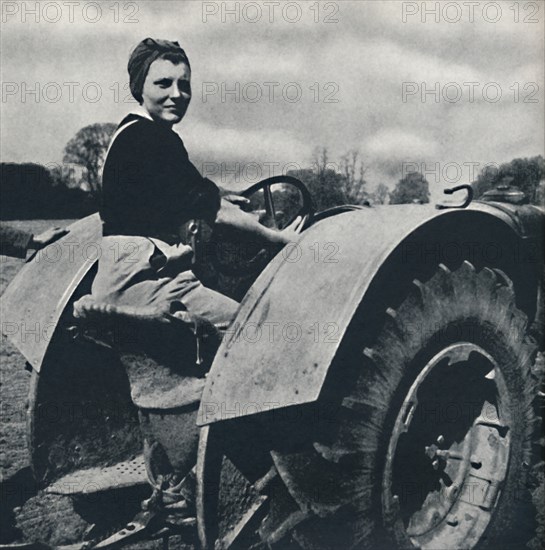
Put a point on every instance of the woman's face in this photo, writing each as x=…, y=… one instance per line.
x=167, y=91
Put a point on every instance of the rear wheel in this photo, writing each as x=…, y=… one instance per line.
x=460, y=447
x=424, y=439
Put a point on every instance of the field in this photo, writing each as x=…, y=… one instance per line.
x=13, y=378
x=25, y=513
x=30, y=515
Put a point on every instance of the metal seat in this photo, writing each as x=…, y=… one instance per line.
x=166, y=356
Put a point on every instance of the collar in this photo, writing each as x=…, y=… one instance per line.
x=142, y=112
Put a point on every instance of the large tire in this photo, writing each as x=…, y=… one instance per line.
x=424, y=438
x=433, y=436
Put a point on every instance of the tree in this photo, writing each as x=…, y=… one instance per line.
x=486, y=180
x=325, y=187
x=325, y=184
x=412, y=188
x=353, y=170
x=31, y=191
x=523, y=173
x=64, y=174
x=380, y=194
x=23, y=188
x=287, y=202
x=540, y=194
x=88, y=149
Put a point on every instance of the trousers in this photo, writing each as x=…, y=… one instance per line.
x=141, y=271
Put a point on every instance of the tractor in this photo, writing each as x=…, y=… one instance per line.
x=375, y=390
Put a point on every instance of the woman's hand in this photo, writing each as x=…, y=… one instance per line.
x=230, y=214
x=238, y=200
x=47, y=237
x=293, y=230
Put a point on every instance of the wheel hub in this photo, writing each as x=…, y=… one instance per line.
x=449, y=451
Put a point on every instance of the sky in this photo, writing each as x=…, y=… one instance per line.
x=442, y=87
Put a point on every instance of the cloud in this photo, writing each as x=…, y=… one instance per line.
x=367, y=55
x=233, y=143
x=237, y=158
x=398, y=144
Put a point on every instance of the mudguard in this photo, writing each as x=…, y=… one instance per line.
x=34, y=301
x=293, y=319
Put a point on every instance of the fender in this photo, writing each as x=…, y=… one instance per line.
x=34, y=301
x=291, y=322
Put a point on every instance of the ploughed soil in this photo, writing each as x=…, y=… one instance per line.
x=27, y=514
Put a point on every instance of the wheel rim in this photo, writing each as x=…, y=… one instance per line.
x=449, y=451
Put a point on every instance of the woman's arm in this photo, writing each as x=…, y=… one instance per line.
x=16, y=242
x=47, y=237
x=230, y=215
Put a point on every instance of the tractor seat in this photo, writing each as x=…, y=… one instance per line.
x=166, y=356
x=140, y=322
x=88, y=309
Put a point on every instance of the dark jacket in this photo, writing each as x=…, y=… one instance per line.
x=149, y=185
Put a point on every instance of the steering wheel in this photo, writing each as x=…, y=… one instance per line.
x=249, y=258
x=265, y=185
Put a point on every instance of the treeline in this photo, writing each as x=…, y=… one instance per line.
x=526, y=174
x=344, y=182
x=30, y=191
x=335, y=183
x=69, y=191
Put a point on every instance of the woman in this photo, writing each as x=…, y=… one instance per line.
x=150, y=188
